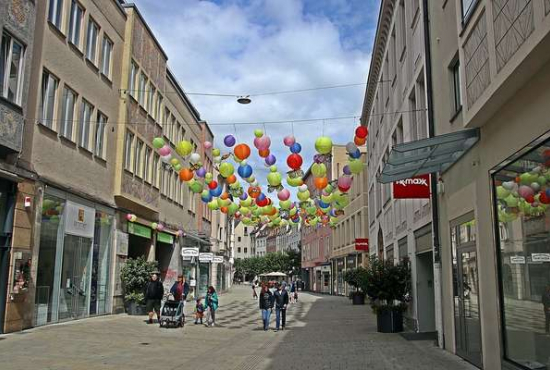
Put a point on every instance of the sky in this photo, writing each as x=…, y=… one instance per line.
x=245, y=47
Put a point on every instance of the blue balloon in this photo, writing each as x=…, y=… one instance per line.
x=243, y=196
x=356, y=154
x=207, y=199
x=245, y=171
x=216, y=192
x=296, y=148
x=261, y=197
x=323, y=204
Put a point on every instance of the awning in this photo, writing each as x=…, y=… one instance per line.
x=435, y=154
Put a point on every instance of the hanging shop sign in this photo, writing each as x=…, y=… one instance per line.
x=165, y=238
x=139, y=230
x=121, y=243
x=80, y=220
x=206, y=257
x=362, y=244
x=517, y=260
x=217, y=259
x=413, y=188
x=188, y=253
x=540, y=257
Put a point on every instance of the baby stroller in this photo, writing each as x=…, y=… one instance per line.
x=171, y=313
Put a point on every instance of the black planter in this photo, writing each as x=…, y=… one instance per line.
x=135, y=309
x=389, y=321
x=358, y=299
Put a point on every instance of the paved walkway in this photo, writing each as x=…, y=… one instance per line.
x=324, y=332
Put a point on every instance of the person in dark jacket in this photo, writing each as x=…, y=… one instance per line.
x=180, y=289
x=546, y=304
x=266, y=305
x=154, y=291
x=281, y=302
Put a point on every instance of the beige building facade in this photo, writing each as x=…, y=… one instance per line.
x=491, y=72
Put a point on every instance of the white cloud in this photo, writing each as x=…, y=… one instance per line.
x=261, y=46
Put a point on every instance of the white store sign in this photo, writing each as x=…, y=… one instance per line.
x=218, y=259
x=79, y=220
x=540, y=257
x=188, y=253
x=517, y=260
x=206, y=257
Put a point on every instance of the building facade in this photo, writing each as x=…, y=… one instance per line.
x=259, y=239
x=394, y=111
x=491, y=75
x=244, y=248
x=352, y=225
x=17, y=189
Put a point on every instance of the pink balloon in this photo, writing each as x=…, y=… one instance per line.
x=207, y=145
x=262, y=143
x=129, y=216
x=344, y=183
x=165, y=150
x=289, y=140
x=525, y=191
x=284, y=194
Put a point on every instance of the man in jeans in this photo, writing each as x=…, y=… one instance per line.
x=281, y=301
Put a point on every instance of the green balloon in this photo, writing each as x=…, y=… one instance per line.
x=294, y=182
x=326, y=198
x=232, y=208
x=213, y=205
x=285, y=204
x=178, y=167
x=323, y=145
x=205, y=194
x=355, y=166
x=208, y=177
x=196, y=187
x=293, y=211
x=184, y=148
x=258, y=133
x=158, y=142
x=274, y=178
x=541, y=180
x=247, y=202
x=502, y=193
x=311, y=210
x=216, y=152
x=525, y=179
x=328, y=189
x=174, y=161
x=511, y=201
x=303, y=195
x=319, y=169
x=245, y=210
x=226, y=169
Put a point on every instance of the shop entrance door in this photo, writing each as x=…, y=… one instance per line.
x=467, y=324
x=75, y=278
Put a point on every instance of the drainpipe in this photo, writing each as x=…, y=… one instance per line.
x=438, y=292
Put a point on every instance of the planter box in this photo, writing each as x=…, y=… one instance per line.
x=135, y=309
x=389, y=321
x=358, y=299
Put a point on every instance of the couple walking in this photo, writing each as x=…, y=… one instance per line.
x=279, y=299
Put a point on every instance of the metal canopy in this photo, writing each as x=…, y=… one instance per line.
x=435, y=154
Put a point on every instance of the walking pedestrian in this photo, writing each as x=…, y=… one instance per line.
x=199, y=311
x=154, y=291
x=281, y=302
x=180, y=289
x=266, y=305
x=292, y=291
x=211, y=303
x=546, y=304
x=254, y=294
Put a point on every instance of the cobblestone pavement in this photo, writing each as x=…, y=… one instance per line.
x=323, y=332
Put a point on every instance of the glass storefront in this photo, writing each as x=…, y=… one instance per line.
x=521, y=188
x=73, y=274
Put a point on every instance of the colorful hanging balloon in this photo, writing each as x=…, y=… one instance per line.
x=186, y=174
x=229, y=140
x=184, y=148
x=294, y=161
x=158, y=142
x=323, y=145
x=242, y=151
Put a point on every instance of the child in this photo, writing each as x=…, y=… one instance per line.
x=199, y=311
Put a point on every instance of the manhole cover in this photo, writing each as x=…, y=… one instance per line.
x=145, y=344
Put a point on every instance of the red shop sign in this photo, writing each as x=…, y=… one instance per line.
x=413, y=188
x=362, y=244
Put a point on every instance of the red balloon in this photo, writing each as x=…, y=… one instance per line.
x=294, y=161
x=361, y=132
x=213, y=185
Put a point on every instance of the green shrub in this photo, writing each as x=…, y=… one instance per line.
x=134, y=276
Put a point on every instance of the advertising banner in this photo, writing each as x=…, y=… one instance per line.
x=362, y=244
x=188, y=253
x=413, y=188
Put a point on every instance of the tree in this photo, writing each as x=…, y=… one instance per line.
x=288, y=263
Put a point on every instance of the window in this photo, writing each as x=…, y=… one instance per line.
x=75, y=23
x=403, y=30
x=158, y=113
x=67, y=113
x=132, y=82
x=55, y=12
x=128, y=144
x=239, y=239
x=245, y=230
x=85, y=123
x=467, y=8
x=99, y=149
x=49, y=92
x=141, y=89
x=147, y=164
x=246, y=250
x=239, y=250
x=12, y=60
x=106, y=61
x=155, y=178
x=91, y=43
x=150, y=98
x=137, y=158
x=455, y=74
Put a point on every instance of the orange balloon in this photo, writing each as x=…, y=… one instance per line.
x=224, y=196
x=360, y=141
x=320, y=182
x=273, y=212
x=186, y=174
x=231, y=179
x=224, y=209
x=242, y=151
x=254, y=191
x=264, y=153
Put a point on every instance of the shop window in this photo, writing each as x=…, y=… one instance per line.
x=522, y=205
x=12, y=58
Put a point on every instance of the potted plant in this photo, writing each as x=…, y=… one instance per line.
x=388, y=286
x=354, y=277
x=134, y=276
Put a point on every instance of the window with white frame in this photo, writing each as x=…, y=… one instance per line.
x=55, y=12
x=128, y=144
x=99, y=148
x=75, y=24
x=67, y=113
x=147, y=164
x=91, y=41
x=107, y=56
x=49, y=92
x=132, y=82
x=85, y=124
x=141, y=89
x=12, y=67
x=138, y=169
